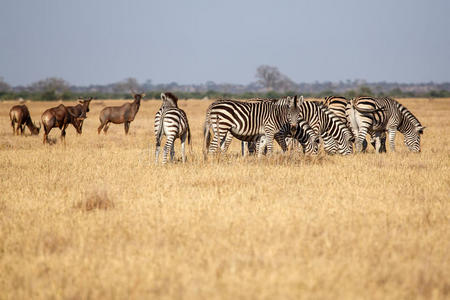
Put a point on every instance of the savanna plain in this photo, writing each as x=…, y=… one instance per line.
x=97, y=219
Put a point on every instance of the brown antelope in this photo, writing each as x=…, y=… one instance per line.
x=61, y=117
x=20, y=115
x=120, y=114
x=78, y=110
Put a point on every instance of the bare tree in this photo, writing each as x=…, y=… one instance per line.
x=268, y=76
x=273, y=80
x=58, y=85
x=126, y=85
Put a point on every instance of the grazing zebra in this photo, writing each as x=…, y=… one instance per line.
x=172, y=122
x=381, y=114
x=304, y=135
x=335, y=134
x=248, y=121
x=339, y=106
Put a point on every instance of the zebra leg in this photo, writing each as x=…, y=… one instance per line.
x=243, y=144
x=167, y=148
x=383, y=142
x=267, y=142
x=392, y=132
x=261, y=146
x=172, y=151
x=183, y=150
x=253, y=146
x=281, y=140
x=377, y=144
x=226, y=143
x=364, y=145
x=361, y=137
x=158, y=146
x=215, y=140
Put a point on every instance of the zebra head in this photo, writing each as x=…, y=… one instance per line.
x=412, y=138
x=307, y=138
x=294, y=112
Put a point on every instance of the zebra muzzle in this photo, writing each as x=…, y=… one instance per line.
x=293, y=130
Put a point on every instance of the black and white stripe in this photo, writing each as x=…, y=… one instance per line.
x=250, y=120
x=378, y=115
x=172, y=122
x=304, y=136
x=336, y=136
x=340, y=106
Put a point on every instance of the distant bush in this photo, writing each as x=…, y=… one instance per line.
x=52, y=95
x=49, y=95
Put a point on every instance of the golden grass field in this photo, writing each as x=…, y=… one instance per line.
x=97, y=219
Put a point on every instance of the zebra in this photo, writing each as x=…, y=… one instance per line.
x=339, y=106
x=335, y=134
x=304, y=135
x=381, y=114
x=250, y=120
x=172, y=122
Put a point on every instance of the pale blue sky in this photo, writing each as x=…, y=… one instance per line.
x=101, y=41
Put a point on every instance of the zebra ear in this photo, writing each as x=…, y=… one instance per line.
x=420, y=129
x=163, y=96
x=290, y=101
x=300, y=101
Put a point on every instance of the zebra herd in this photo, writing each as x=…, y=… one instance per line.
x=338, y=122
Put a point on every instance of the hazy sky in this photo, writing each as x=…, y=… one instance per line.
x=104, y=41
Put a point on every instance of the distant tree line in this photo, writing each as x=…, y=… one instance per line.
x=271, y=83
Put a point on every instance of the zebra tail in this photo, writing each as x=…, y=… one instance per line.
x=369, y=111
x=189, y=134
x=206, y=138
x=160, y=129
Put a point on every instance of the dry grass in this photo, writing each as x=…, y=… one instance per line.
x=95, y=200
x=365, y=226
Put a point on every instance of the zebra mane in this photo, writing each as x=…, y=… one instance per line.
x=335, y=119
x=280, y=101
x=171, y=100
x=408, y=116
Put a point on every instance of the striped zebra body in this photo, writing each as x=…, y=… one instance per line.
x=385, y=114
x=336, y=136
x=304, y=136
x=249, y=121
x=340, y=106
x=172, y=122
